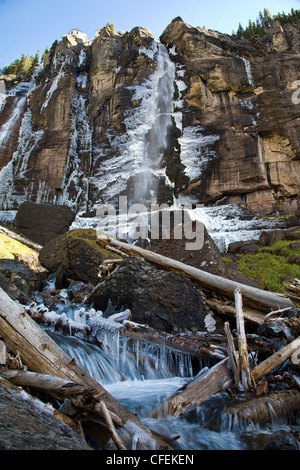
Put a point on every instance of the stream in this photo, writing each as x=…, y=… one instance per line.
x=142, y=376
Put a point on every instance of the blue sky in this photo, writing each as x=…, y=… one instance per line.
x=30, y=25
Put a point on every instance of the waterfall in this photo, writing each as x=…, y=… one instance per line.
x=159, y=117
x=137, y=154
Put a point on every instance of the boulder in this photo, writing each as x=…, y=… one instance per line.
x=245, y=247
x=208, y=258
x=74, y=256
x=43, y=222
x=164, y=300
x=268, y=238
x=24, y=425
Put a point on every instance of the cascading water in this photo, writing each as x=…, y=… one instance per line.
x=160, y=112
x=139, y=374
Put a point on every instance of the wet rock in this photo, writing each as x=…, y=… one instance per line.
x=275, y=328
x=78, y=291
x=294, y=246
x=164, y=300
x=278, y=440
x=43, y=222
x=294, y=259
x=268, y=238
x=292, y=235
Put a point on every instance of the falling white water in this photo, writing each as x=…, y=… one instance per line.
x=159, y=117
x=53, y=88
x=139, y=151
x=248, y=70
x=230, y=223
x=196, y=150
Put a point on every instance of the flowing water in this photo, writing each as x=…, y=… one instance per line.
x=142, y=376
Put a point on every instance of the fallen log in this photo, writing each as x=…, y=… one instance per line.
x=264, y=409
x=263, y=300
x=277, y=359
x=54, y=386
x=226, y=308
x=41, y=354
x=220, y=376
x=197, y=391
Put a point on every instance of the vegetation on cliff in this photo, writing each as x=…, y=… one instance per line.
x=22, y=67
x=264, y=22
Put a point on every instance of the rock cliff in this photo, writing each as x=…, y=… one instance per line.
x=216, y=117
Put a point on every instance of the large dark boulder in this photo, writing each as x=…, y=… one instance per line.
x=43, y=222
x=164, y=300
x=75, y=256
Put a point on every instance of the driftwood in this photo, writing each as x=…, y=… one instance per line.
x=258, y=298
x=220, y=377
x=262, y=410
x=211, y=382
x=276, y=360
x=244, y=367
x=119, y=443
x=233, y=355
x=41, y=354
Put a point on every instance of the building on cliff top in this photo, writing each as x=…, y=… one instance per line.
x=80, y=36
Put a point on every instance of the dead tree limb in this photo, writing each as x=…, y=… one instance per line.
x=244, y=367
x=258, y=298
x=233, y=355
x=120, y=445
x=277, y=359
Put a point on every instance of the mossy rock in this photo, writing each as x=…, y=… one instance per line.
x=75, y=255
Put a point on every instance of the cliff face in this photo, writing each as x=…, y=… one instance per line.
x=197, y=114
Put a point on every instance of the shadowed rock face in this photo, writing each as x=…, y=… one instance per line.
x=81, y=126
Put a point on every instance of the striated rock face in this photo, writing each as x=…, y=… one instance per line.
x=243, y=93
x=198, y=114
